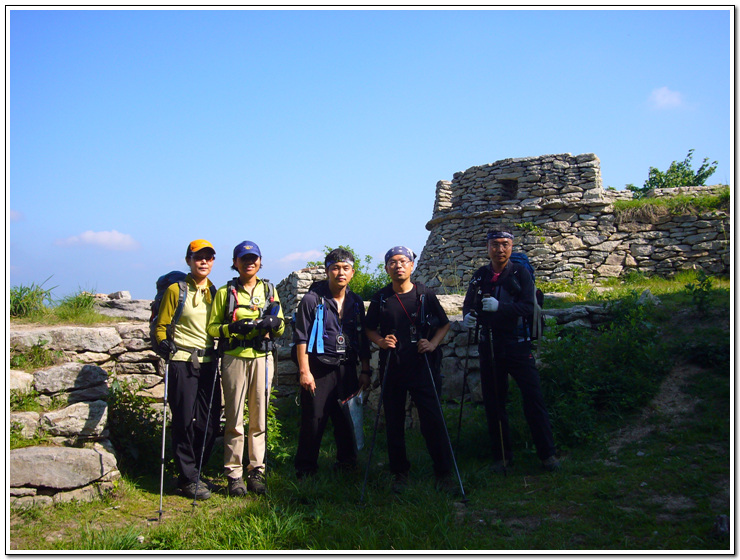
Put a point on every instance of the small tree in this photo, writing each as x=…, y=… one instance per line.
x=365, y=282
x=679, y=174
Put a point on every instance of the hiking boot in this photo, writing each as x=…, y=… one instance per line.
x=189, y=490
x=551, y=464
x=236, y=487
x=256, y=482
x=400, y=481
x=445, y=483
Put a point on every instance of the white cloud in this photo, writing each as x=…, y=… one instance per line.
x=304, y=257
x=664, y=98
x=113, y=240
x=14, y=215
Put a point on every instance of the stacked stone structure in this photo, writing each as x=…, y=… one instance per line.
x=565, y=221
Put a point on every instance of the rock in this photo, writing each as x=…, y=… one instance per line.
x=60, y=468
x=134, y=309
x=67, y=377
x=20, y=381
x=82, y=419
x=28, y=422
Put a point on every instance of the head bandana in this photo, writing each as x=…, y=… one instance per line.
x=494, y=234
x=400, y=250
x=348, y=260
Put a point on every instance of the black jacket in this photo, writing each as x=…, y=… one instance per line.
x=514, y=291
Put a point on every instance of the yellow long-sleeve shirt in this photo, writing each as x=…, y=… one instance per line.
x=218, y=326
x=191, y=329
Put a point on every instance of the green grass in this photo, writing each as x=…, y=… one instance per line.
x=34, y=304
x=653, y=479
x=648, y=209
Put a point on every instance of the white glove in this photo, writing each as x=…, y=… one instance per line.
x=469, y=321
x=490, y=304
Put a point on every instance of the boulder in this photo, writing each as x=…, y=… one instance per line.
x=82, y=419
x=60, y=468
x=20, y=381
x=68, y=377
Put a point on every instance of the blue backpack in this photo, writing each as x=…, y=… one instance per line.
x=537, y=321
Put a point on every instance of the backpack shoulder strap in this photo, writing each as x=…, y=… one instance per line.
x=231, y=300
x=182, y=287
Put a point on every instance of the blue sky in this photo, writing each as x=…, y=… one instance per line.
x=132, y=132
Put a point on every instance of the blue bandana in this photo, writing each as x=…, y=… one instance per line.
x=400, y=250
x=493, y=234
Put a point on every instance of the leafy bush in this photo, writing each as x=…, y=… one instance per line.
x=135, y=428
x=591, y=376
x=700, y=291
x=366, y=281
x=678, y=174
x=29, y=301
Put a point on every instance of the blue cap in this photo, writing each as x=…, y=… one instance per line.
x=246, y=248
x=400, y=250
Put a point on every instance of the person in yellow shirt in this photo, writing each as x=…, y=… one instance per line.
x=192, y=369
x=246, y=323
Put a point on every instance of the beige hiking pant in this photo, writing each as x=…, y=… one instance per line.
x=243, y=379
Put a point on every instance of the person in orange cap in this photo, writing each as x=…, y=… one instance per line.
x=192, y=368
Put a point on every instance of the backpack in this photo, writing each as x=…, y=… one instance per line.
x=164, y=282
x=537, y=321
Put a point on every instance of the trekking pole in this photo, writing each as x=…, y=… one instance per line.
x=444, y=424
x=267, y=404
x=164, y=426
x=375, y=428
x=205, y=434
x=495, y=397
x=465, y=378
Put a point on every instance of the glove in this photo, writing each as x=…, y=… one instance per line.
x=269, y=323
x=166, y=348
x=242, y=326
x=490, y=304
x=469, y=321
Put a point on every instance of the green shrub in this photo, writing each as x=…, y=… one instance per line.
x=678, y=174
x=135, y=428
x=29, y=301
x=591, y=376
x=700, y=291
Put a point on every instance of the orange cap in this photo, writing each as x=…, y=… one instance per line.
x=198, y=245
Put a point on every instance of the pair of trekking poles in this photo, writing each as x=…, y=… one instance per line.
x=495, y=389
x=383, y=383
x=208, y=419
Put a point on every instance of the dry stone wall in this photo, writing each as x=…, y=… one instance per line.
x=565, y=222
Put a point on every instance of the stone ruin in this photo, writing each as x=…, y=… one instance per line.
x=565, y=221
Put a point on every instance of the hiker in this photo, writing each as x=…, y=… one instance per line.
x=501, y=295
x=192, y=368
x=246, y=318
x=410, y=359
x=330, y=342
